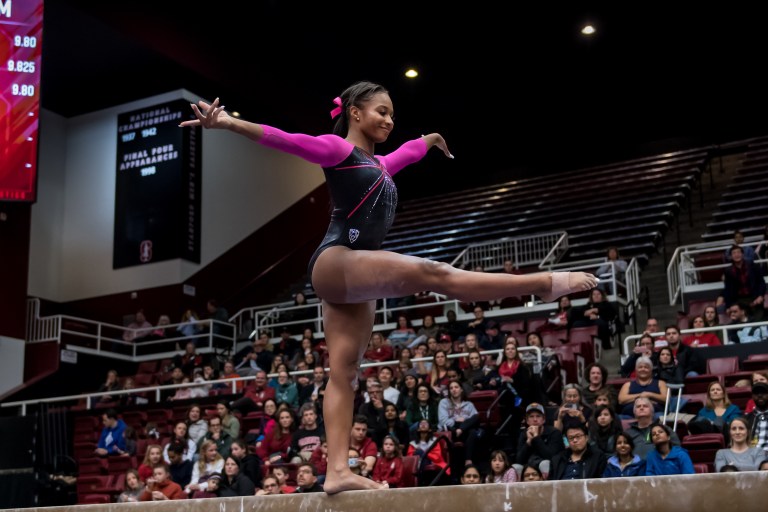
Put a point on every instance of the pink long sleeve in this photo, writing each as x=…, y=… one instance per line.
x=410, y=152
x=324, y=150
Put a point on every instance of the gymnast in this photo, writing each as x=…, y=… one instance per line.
x=349, y=271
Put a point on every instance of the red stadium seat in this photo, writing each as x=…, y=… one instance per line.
x=90, y=499
x=410, y=470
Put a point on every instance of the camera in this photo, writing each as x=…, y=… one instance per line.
x=352, y=462
x=571, y=406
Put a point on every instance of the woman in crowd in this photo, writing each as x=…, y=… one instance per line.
x=470, y=475
x=573, y=411
x=532, y=474
x=459, y=416
x=425, y=407
x=229, y=422
x=197, y=426
x=134, y=487
x=740, y=453
x=624, y=462
x=425, y=445
x=701, y=339
x=438, y=377
x=233, y=482
x=712, y=319
x=274, y=448
x=501, y=471
x=642, y=385
x=153, y=457
x=597, y=378
x=396, y=427
x=112, y=383
x=667, y=368
x=604, y=427
x=181, y=438
x=403, y=334
x=717, y=413
x=664, y=458
x=248, y=464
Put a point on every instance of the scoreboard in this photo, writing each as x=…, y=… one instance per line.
x=21, y=31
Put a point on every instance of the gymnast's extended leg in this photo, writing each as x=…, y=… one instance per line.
x=347, y=332
x=343, y=275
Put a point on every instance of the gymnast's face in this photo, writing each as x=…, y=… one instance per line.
x=377, y=117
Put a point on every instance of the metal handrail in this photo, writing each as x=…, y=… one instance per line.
x=721, y=328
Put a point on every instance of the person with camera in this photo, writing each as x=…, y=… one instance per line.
x=573, y=411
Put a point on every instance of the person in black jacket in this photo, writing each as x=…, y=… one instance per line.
x=250, y=464
x=597, y=311
x=234, y=483
x=539, y=442
x=580, y=460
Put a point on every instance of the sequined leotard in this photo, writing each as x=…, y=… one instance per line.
x=361, y=187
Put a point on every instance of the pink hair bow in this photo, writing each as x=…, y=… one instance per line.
x=335, y=112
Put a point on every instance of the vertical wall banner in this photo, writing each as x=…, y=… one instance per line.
x=158, y=186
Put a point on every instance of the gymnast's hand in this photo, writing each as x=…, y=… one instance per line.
x=209, y=116
x=435, y=139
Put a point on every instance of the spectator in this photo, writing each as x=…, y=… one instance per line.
x=493, y=339
x=307, y=437
x=666, y=458
x=501, y=471
x=580, y=460
x=286, y=390
x=181, y=439
x=111, y=384
x=256, y=393
x=306, y=478
x=314, y=392
x=738, y=314
x=532, y=474
x=424, y=408
x=378, y=350
x=438, y=377
x=559, y=319
x=740, y=453
x=597, y=376
x=403, y=334
x=717, y=413
x=274, y=448
x=281, y=474
x=640, y=430
x=218, y=436
x=256, y=358
x=374, y=411
x=744, y=284
x=248, y=463
x=758, y=435
x=270, y=486
x=477, y=326
x=189, y=359
x=667, y=369
x=573, y=411
x=748, y=252
x=643, y=386
x=233, y=482
x=229, y=422
x=153, y=457
x=364, y=445
x=759, y=376
x=210, y=462
x=229, y=373
x=138, y=329
x=699, y=338
x=603, y=428
x=428, y=328
x=459, y=416
x=160, y=487
x=425, y=445
x=452, y=327
x=613, y=266
x=596, y=312
x=111, y=440
x=134, y=487
x=319, y=459
x=396, y=427
x=218, y=314
x=180, y=469
x=690, y=360
x=624, y=462
x=390, y=393
x=131, y=440
x=189, y=326
x=470, y=475
x=389, y=467
x=539, y=442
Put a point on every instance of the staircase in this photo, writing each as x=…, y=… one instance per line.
x=688, y=231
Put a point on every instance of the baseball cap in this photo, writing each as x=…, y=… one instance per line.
x=535, y=407
x=445, y=338
x=759, y=387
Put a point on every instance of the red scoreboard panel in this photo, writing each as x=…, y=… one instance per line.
x=21, y=31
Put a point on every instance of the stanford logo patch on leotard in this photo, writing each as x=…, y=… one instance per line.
x=353, y=234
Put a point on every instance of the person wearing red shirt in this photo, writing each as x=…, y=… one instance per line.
x=160, y=487
x=360, y=441
x=389, y=467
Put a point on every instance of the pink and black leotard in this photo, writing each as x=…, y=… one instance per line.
x=361, y=187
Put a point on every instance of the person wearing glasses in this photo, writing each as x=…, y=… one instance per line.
x=579, y=460
x=270, y=487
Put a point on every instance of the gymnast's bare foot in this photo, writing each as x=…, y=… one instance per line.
x=564, y=283
x=348, y=481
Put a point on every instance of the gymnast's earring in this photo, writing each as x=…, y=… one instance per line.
x=357, y=119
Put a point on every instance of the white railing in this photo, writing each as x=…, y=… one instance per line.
x=557, y=252
x=722, y=329
x=229, y=382
x=522, y=250
x=40, y=329
x=683, y=274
